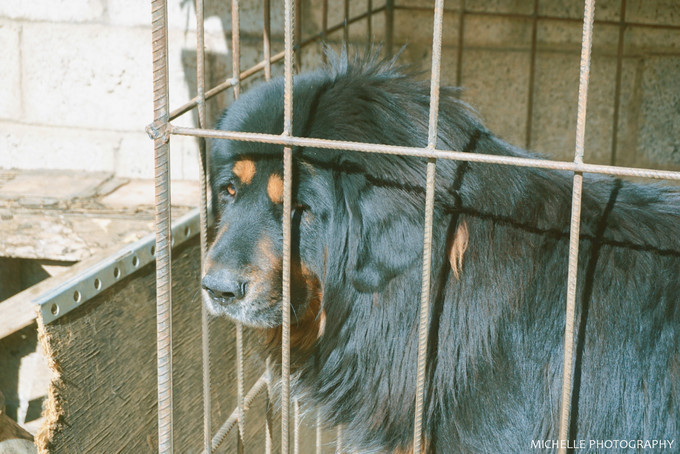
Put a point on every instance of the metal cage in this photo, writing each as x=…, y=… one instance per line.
x=162, y=129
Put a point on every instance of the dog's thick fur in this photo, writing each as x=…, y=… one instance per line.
x=499, y=273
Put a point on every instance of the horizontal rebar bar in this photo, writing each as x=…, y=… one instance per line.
x=426, y=153
x=231, y=421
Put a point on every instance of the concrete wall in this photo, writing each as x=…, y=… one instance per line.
x=76, y=90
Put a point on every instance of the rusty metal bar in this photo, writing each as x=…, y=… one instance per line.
x=269, y=412
x=319, y=442
x=617, y=87
x=574, y=231
x=159, y=26
x=287, y=208
x=203, y=210
x=235, y=48
x=236, y=71
x=426, y=153
x=269, y=416
x=296, y=427
x=429, y=213
x=266, y=40
x=232, y=420
x=532, y=76
x=81, y=288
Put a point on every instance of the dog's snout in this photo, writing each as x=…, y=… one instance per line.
x=224, y=286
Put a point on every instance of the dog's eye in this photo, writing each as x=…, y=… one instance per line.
x=230, y=189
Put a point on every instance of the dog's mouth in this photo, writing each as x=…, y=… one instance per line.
x=256, y=311
x=255, y=299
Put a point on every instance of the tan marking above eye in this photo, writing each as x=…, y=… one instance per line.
x=275, y=188
x=244, y=170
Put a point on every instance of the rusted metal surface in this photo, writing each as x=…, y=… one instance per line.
x=159, y=26
x=574, y=231
x=428, y=153
x=319, y=442
x=86, y=284
x=236, y=71
x=287, y=208
x=429, y=214
x=203, y=210
x=232, y=420
x=266, y=39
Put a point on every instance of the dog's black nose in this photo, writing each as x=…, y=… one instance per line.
x=224, y=286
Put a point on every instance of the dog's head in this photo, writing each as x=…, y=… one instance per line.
x=357, y=218
x=243, y=269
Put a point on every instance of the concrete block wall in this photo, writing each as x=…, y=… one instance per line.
x=76, y=87
x=496, y=62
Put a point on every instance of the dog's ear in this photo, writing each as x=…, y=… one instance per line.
x=385, y=238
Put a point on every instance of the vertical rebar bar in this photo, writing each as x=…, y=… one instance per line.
x=296, y=427
x=159, y=26
x=236, y=48
x=318, y=432
x=269, y=411
x=269, y=416
x=339, y=447
x=203, y=210
x=236, y=74
x=429, y=214
x=287, y=196
x=266, y=40
x=574, y=231
x=617, y=87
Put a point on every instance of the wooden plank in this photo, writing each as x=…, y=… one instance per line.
x=104, y=396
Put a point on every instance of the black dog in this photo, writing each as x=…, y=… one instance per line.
x=499, y=272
